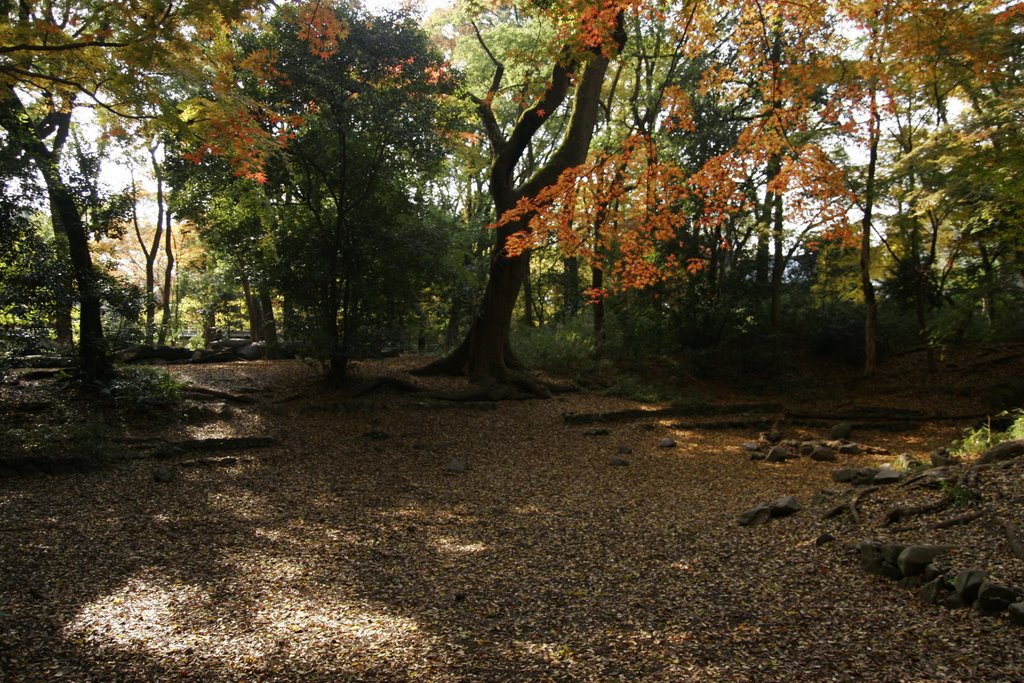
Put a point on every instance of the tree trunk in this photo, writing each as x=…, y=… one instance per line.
x=597, y=282
x=528, y=313
x=252, y=309
x=868, y=289
x=166, y=320
x=486, y=353
x=64, y=291
x=571, y=300
x=92, y=347
x=269, y=330
x=778, y=263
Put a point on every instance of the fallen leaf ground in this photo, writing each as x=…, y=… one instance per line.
x=347, y=552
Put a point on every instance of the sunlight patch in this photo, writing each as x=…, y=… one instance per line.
x=166, y=618
x=144, y=613
x=449, y=544
x=241, y=504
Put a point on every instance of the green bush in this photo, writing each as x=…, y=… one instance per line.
x=982, y=438
x=140, y=387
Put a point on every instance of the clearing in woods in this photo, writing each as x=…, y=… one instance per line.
x=395, y=536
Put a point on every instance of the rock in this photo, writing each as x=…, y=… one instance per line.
x=785, y=506
x=597, y=431
x=934, y=570
x=850, y=449
x=841, y=430
x=913, y=560
x=891, y=552
x=757, y=455
x=953, y=601
x=774, y=435
x=915, y=581
x=618, y=462
x=886, y=476
x=455, y=466
x=865, y=476
x=823, y=454
x=967, y=582
x=940, y=457
x=624, y=450
x=905, y=462
x=778, y=454
x=873, y=561
x=254, y=351
x=823, y=497
x=807, y=447
x=1016, y=613
x=824, y=539
x=755, y=516
x=995, y=597
x=750, y=446
x=377, y=434
x=934, y=591
x=844, y=475
x=667, y=442
x=163, y=474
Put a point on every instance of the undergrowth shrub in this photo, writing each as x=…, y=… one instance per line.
x=982, y=438
x=141, y=387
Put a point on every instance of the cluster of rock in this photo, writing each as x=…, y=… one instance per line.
x=822, y=450
x=220, y=351
x=771, y=447
x=763, y=512
x=920, y=567
x=866, y=476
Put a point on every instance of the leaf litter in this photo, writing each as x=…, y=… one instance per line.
x=332, y=555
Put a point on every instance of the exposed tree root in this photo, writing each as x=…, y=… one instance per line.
x=851, y=505
x=370, y=385
x=902, y=512
x=947, y=523
x=1004, y=451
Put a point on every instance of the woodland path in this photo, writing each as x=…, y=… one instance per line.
x=347, y=551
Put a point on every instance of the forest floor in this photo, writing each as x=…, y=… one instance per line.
x=396, y=536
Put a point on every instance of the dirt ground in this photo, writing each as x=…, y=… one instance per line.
x=347, y=549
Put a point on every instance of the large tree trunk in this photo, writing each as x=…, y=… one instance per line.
x=269, y=331
x=166, y=318
x=92, y=347
x=64, y=290
x=867, y=287
x=778, y=262
x=486, y=352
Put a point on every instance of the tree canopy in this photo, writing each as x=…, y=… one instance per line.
x=720, y=171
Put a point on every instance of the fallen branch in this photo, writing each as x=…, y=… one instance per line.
x=204, y=392
x=219, y=444
x=675, y=411
x=868, y=413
